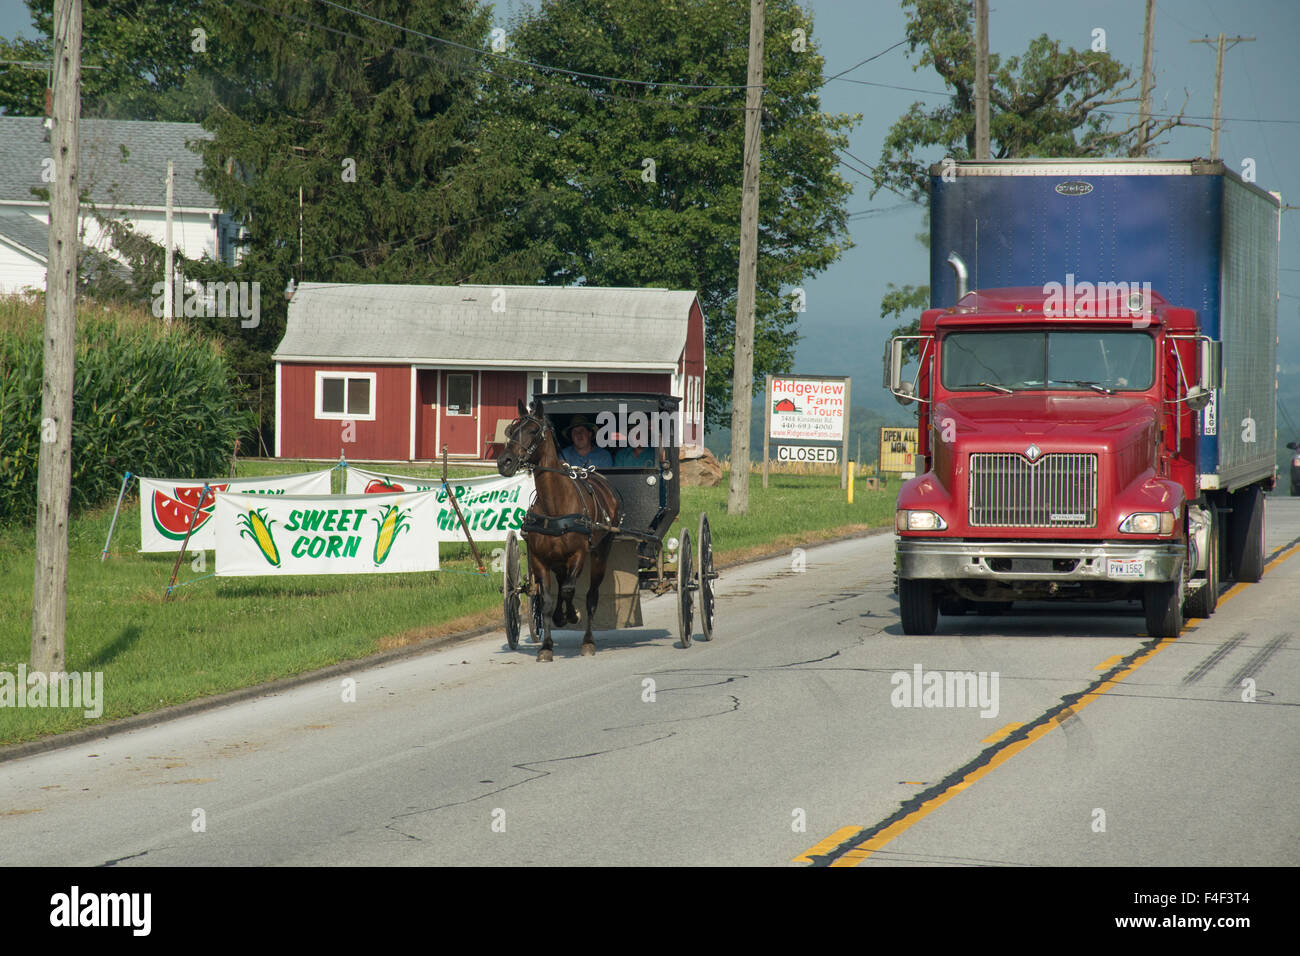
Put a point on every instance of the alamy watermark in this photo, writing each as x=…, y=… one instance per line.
x=1100, y=300
x=922, y=688
x=637, y=428
x=56, y=689
x=215, y=300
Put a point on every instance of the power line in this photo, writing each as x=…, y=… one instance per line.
x=874, y=56
x=595, y=94
x=537, y=66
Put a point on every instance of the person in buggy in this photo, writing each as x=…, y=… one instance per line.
x=581, y=451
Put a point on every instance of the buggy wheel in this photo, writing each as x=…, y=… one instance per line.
x=510, y=589
x=684, y=589
x=707, y=576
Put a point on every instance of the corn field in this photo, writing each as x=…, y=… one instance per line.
x=146, y=401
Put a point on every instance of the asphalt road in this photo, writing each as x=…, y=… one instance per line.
x=785, y=741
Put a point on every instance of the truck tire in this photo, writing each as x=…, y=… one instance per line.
x=1246, y=540
x=1163, y=603
x=1203, y=602
x=917, y=606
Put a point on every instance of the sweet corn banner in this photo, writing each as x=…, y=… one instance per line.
x=326, y=534
x=492, y=505
x=167, y=505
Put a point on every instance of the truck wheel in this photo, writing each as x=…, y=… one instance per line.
x=1203, y=602
x=1163, y=603
x=1246, y=538
x=917, y=606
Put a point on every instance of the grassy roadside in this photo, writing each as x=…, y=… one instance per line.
x=220, y=634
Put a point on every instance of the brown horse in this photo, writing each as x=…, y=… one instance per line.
x=572, y=518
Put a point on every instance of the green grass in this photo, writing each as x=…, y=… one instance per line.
x=219, y=634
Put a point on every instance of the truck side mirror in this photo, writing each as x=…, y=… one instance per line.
x=1198, y=397
x=1210, y=359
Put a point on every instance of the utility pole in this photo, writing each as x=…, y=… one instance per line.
x=743, y=370
x=1218, y=86
x=1144, y=110
x=981, y=79
x=169, y=289
x=54, y=474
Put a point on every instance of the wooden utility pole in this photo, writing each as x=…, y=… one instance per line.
x=54, y=475
x=981, y=79
x=169, y=276
x=743, y=370
x=1144, y=110
x=1218, y=86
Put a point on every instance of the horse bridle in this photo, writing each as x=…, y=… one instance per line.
x=525, y=458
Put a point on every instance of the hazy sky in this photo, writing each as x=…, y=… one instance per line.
x=842, y=329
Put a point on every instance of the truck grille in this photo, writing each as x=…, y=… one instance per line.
x=1009, y=491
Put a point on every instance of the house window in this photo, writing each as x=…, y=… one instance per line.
x=557, y=382
x=345, y=395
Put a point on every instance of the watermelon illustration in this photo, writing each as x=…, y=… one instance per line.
x=381, y=486
x=172, y=515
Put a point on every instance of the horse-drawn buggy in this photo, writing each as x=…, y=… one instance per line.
x=598, y=525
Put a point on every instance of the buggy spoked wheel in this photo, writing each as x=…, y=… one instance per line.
x=684, y=589
x=510, y=589
x=707, y=576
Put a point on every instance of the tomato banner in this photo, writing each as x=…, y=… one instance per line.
x=325, y=534
x=167, y=505
x=492, y=505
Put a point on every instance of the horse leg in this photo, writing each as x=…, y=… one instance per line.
x=562, y=582
x=598, y=559
x=574, y=568
x=547, y=651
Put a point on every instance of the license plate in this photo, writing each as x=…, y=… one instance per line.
x=1126, y=567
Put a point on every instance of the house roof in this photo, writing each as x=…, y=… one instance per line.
x=532, y=326
x=123, y=162
x=26, y=232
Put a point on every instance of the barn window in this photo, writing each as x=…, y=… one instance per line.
x=460, y=394
x=345, y=395
x=557, y=382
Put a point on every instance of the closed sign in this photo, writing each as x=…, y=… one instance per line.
x=812, y=453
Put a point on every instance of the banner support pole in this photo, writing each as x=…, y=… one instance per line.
x=180, y=555
x=451, y=496
x=113, y=524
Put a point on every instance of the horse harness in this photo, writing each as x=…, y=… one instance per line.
x=587, y=481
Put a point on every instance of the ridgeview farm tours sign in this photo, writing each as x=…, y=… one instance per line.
x=167, y=505
x=326, y=534
x=492, y=505
x=807, y=409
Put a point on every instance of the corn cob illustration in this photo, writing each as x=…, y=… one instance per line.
x=391, y=522
x=256, y=527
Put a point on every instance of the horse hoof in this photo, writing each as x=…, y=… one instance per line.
x=573, y=617
x=557, y=620
x=544, y=655
x=588, y=650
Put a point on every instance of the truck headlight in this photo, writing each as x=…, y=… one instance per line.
x=919, y=521
x=1158, y=522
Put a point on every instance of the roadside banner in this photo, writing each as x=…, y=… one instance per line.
x=167, y=505
x=492, y=505
x=325, y=534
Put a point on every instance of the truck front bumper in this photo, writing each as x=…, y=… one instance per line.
x=1119, y=562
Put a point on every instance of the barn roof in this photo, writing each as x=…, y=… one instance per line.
x=123, y=162
x=532, y=326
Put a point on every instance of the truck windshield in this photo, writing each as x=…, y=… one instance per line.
x=1097, y=361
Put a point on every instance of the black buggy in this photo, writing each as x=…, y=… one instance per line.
x=651, y=499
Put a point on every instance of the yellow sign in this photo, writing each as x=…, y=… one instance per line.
x=898, y=450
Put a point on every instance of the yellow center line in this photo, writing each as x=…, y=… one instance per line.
x=857, y=854
x=998, y=734
x=830, y=843
x=1109, y=662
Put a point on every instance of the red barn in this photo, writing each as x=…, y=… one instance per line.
x=394, y=372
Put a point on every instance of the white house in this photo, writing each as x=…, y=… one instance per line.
x=123, y=170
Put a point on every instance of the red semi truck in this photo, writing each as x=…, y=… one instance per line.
x=1099, y=424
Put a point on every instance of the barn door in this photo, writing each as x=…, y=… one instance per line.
x=458, y=413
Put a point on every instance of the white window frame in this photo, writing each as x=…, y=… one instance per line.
x=323, y=374
x=528, y=385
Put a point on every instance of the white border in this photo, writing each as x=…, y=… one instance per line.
x=415, y=408
x=322, y=374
